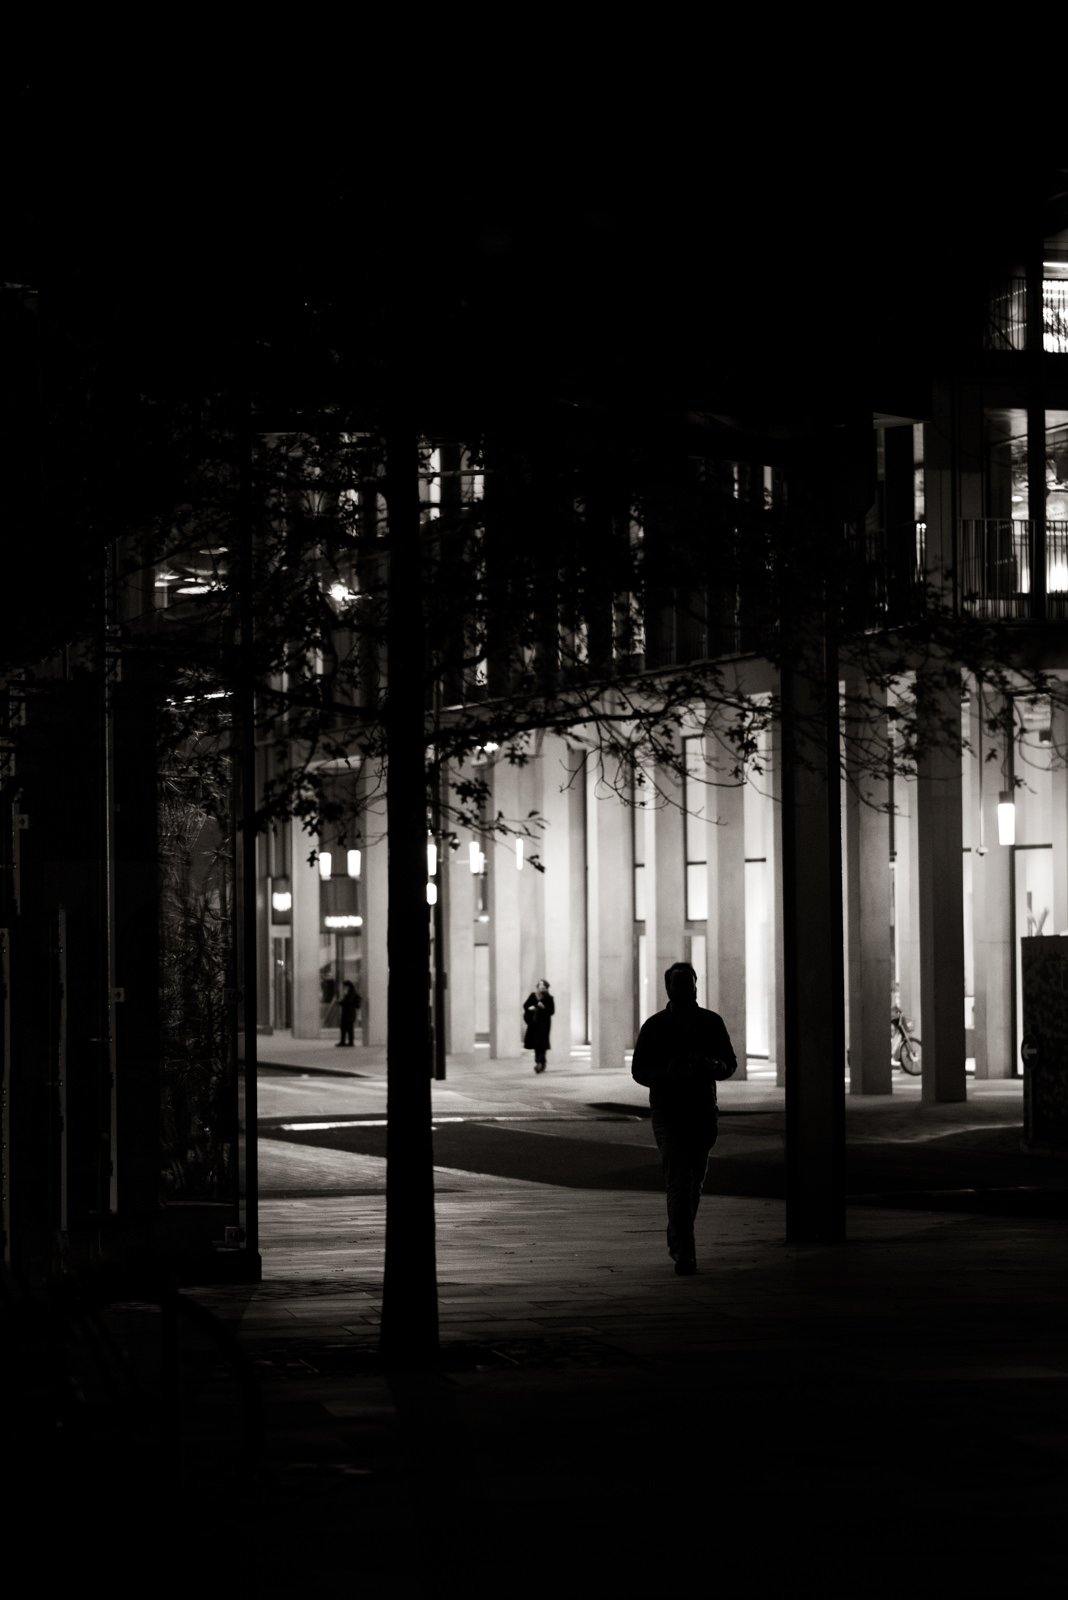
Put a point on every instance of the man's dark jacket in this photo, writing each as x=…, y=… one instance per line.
x=678, y=1057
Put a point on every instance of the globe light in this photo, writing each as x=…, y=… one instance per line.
x=431, y=894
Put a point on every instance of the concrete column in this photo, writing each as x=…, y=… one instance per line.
x=867, y=897
x=578, y=891
x=375, y=959
x=777, y=998
x=941, y=893
x=666, y=912
x=531, y=886
x=726, y=906
x=992, y=912
x=506, y=976
x=304, y=883
x=976, y=846
x=556, y=853
x=650, y=983
x=907, y=898
x=610, y=925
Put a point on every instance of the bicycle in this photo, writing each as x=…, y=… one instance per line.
x=905, y=1047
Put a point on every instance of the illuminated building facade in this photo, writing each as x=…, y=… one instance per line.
x=969, y=496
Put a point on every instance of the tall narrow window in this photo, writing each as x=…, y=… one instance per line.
x=695, y=802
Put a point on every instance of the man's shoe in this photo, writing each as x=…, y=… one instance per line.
x=685, y=1266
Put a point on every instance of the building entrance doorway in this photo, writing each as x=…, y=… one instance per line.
x=340, y=962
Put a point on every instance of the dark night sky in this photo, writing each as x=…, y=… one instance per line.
x=629, y=220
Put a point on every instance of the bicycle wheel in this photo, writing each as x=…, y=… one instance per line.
x=910, y=1057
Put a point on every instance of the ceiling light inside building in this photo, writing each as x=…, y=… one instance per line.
x=1006, y=818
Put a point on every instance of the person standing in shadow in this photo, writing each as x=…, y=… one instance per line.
x=538, y=1008
x=679, y=1055
x=350, y=1004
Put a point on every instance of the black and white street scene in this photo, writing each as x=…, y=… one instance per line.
x=533, y=813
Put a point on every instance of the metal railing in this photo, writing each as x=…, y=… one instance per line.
x=1012, y=568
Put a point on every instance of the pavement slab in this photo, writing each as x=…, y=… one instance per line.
x=886, y=1414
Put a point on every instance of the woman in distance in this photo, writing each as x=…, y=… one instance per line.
x=538, y=1008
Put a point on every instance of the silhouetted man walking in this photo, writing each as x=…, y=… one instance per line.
x=679, y=1054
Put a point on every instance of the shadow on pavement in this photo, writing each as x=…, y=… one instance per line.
x=979, y=1168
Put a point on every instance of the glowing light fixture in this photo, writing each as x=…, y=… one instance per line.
x=326, y=864
x=1006, y=817
x=354, y=862
x=519, y=854
x=281, y=900
x=431, y=859
x=431, y=894
x=475, y=856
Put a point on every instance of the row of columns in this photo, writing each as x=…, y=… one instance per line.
x=573, y=923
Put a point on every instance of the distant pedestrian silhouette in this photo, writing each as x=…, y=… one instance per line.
x=679, y=1054
x=350, y=1004
x=538, y=1008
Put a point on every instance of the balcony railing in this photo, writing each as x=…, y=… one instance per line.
x=1012, y=569
x=1006, y=327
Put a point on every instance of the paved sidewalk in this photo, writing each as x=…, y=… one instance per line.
x=884, y=1416
x=844, y=1418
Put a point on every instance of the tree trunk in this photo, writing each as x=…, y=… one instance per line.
x=409, y=1332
